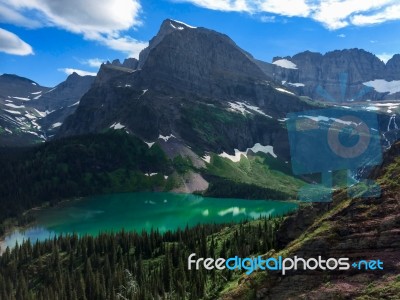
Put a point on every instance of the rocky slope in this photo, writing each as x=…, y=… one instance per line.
x=30, y=113
x=18, y=120
x=355, y=228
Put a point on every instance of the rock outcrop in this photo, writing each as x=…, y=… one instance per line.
x=359, y=229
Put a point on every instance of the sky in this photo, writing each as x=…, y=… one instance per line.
x=45, y=40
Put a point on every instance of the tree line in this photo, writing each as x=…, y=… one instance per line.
x=130, y=265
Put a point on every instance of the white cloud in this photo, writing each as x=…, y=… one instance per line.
x=390, y=13
x=8, y=15
x=124, y=44
x=223, y=5
x=268, y=19
x=93, y=62
x=385, y=56
x=12, y=44
x=290, y=8
x=342, y=35
x=333, y=14
x=69, y=71
x=101, y=21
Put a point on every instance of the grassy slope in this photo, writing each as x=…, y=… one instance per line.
x=261, y=170
x=328, y=228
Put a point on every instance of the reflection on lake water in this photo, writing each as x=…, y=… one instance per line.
x=142, y=211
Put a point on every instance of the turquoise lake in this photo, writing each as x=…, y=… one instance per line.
x=142, y=211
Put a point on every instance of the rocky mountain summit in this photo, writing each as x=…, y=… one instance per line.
x=193, y=85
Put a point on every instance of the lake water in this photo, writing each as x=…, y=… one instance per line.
x=142, y=211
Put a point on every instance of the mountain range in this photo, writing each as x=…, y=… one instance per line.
x=30, y=113
x=198, y=114
x=187, y=67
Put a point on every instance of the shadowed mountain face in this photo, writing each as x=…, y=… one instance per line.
x=30, y=112
x=195, y=84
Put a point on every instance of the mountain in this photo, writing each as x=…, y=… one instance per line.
x=359, y=228
x=62, y=101
x=338, y=76
x=193, y=85
x=196, y=96
x=29, y=113
x=18, y=120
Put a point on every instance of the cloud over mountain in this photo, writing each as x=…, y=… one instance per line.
x=101, y=21
x=333, y=14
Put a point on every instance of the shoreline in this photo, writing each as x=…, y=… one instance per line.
x=12, y=223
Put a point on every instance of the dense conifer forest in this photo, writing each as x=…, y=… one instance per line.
x=78, y=166
x=129, y=265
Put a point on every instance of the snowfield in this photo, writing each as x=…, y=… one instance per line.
x=255, y=149
x=284, y=63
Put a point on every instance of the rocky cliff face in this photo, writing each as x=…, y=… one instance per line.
x=339, y=76
x=393, y=68
x=192, y=83
x=200, y=61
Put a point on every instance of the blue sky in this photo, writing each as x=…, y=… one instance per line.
x=46, y=39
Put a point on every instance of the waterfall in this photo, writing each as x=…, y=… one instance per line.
x=391, y=127
x=392, y=119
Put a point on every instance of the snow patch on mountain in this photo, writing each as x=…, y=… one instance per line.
x=285, y=63
x=296, y=84
x=150, y=144
x=14, y=112
x=372, y=108
x=184, y=24
x=55, y=125
x=175, y=27
x=22, y=98
x=14, y=106
x=151, y=174
x=43, y=113
x=166, y=138
x=255, y=149
x=143, y=92
x=30, y=116
x=317, y=119
x=76, y=103
x=117, y=126
x=245, y=108
x=207, y=158
x=383, y=86
x=284, y=91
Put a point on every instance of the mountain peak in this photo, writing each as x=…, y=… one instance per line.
x=167, y=27
x=176, y=25
x=73, y=76
x=13, y=77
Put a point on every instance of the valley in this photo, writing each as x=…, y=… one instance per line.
x=111, y=181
